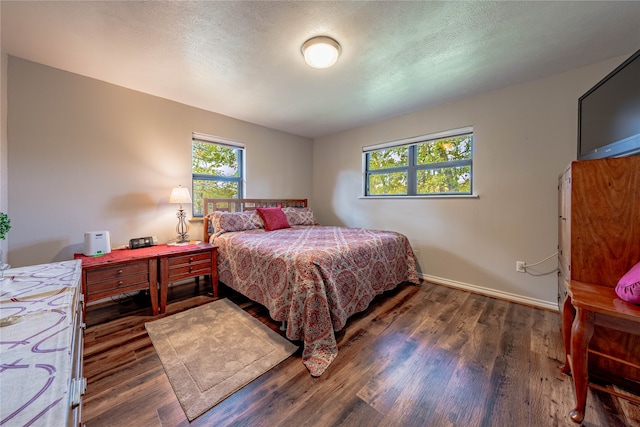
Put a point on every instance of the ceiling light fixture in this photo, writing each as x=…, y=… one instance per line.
x=321, y=51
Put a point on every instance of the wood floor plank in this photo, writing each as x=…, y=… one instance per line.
x=476, y=359
x=387, y=308
x=548, y=390
x=458, y=400
x=422, y=389
x=171, y=415
x=456, y=336
x=138, y=369
x=508, y=402
x=273, y=394
x=419, y=356
x=354, y=413
x=319, y=407
x=631, y=411
x=136, y=400
x=494, y=314
x=400, y=344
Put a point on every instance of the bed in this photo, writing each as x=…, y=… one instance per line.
x=310, y=277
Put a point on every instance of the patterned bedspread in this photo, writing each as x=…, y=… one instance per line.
x=314, y=277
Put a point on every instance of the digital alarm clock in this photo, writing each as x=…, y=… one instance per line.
x=143, y=242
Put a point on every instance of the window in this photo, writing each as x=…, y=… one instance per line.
x=216, y=166
x=436, y=164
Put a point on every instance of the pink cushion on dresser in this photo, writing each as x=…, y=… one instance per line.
x=273, y=218
x=628, y=287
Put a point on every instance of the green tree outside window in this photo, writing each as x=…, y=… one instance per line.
x=430, y=167
x=217, y=173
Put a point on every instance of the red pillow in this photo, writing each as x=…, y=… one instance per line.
x=274, y=218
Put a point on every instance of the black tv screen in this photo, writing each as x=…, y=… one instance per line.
x=609, y=114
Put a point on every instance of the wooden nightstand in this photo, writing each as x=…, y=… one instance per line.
x=120, y=271
x=126, y=270
x=184, y=262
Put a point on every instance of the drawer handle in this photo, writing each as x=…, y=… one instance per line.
x=190, y=269
x=119, y=271
x=120, y=283
x=190, y=259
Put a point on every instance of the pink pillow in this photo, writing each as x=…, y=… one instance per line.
x=628, y=287
x=235, y=221
x=300, y=216
x=273, y=218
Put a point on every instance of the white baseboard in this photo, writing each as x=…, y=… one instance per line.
x=519, y=299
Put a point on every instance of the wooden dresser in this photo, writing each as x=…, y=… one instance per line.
x=41, y=381
x=598, y=242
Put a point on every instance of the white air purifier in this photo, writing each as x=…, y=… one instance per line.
x=97, y=243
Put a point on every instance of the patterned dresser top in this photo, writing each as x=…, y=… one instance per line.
x=37, y=308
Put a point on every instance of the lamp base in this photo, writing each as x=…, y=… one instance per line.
x=182, y=228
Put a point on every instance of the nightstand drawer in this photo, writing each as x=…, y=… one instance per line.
x=140, y=280
x=117, y=271
x=190, y=259
x=190, y=270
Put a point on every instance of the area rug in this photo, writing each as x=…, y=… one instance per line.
x=210, y=352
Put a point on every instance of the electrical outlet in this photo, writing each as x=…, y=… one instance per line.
x=520, y=267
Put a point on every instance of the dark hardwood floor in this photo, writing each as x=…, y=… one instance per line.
x=419, y=356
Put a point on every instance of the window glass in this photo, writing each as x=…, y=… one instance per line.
x=216, y=171
x=444, y=150
x=445, y=181
x=388, y=158
x=432, y=166
x=212, y=159
x=388, y=183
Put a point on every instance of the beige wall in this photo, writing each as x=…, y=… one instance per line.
x=524, y=136
x=86, y=155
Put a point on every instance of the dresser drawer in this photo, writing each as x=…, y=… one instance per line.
x=190, y=259
x=117, y=271
x=121, y=284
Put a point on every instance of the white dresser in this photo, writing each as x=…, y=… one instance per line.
x=41, y=343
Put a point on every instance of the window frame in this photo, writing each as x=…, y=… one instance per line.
x=413, y=168
x=240, y=155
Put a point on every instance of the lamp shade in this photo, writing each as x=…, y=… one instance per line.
x=180, y=195
x=321, y=52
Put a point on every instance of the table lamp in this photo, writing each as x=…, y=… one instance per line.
x=181, y=195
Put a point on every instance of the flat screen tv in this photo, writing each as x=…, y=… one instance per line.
x=609, y=114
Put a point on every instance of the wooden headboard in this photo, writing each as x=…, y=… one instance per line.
x=240, y=205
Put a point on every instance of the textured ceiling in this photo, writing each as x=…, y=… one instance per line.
x=242, y=59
